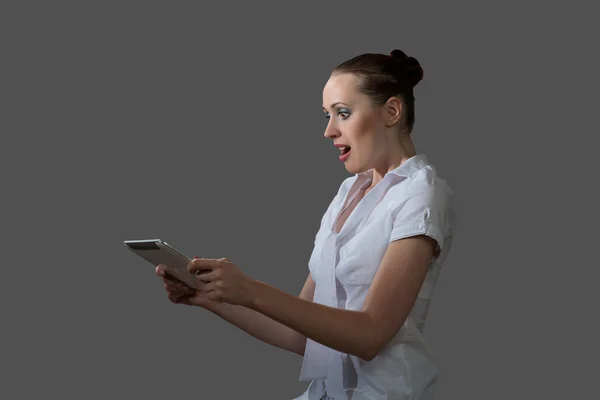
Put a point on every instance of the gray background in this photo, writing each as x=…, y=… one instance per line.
x=202, y=125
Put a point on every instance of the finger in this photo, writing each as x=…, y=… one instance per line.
x=177, y=290
x=183, y=299
x=174, y=282
x=160, y=270
x=169, y=278
x=172, y=285
x=175, y=297
x=199, y=264
x=171, y=274
x=207, y=276
x=208, y=287
x=172, y=289
x=178, y=287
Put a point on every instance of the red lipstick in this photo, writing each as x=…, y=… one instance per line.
x=345, y=149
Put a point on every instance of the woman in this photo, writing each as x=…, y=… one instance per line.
x=359, y=318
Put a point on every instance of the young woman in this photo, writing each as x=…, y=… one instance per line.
x=359, y=319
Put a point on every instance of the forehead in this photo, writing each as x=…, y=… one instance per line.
x=341, y=88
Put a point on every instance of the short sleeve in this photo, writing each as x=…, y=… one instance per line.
x=428, y=212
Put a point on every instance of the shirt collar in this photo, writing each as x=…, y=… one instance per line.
x=411, y=166
x=405, y=170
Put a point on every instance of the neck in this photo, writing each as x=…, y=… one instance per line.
x=398, y=153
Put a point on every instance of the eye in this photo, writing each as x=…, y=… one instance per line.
x=344, y=113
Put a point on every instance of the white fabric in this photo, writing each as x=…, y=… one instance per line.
x=410, y=200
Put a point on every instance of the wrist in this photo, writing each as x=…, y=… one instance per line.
x=254, y=290
x=212, y=306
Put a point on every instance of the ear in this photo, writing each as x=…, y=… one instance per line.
x=392, y=110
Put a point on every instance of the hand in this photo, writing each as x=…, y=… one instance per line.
x=179, y=292
x=222, y=281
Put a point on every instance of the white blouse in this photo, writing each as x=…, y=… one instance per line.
x=410, y=200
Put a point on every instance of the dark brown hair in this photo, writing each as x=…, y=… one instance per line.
x=383, y=76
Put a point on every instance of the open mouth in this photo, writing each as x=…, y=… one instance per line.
x=345, y=149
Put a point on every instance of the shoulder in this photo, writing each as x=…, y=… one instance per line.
x=425, y=187
x=423, y=204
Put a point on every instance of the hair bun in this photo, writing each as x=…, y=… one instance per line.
x=411, y=64
x=414, y=69
x=398, y=54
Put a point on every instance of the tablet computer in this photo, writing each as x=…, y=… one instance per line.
x=157, y=251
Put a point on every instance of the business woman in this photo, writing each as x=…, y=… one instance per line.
x=358, y=321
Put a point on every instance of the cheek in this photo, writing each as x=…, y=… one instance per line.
x=365, y=126
x=364, y=132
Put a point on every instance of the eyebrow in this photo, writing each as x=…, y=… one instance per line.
x=335, y=104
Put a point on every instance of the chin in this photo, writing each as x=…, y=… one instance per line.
x=354, y=170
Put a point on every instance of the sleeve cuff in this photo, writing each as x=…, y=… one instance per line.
x=424, y=228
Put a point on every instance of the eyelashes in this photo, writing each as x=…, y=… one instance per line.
x=343, y=113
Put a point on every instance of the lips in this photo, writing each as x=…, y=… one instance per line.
x=344, y=151
x=344, y=148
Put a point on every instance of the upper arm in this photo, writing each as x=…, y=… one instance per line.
x=397, y=283
x=420, y=230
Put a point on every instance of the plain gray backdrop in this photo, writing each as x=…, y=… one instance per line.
x=202, y=125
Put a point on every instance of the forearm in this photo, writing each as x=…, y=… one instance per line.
x=347, y=331
x=261, y=327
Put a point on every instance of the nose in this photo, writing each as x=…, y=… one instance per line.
x=331, y=131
